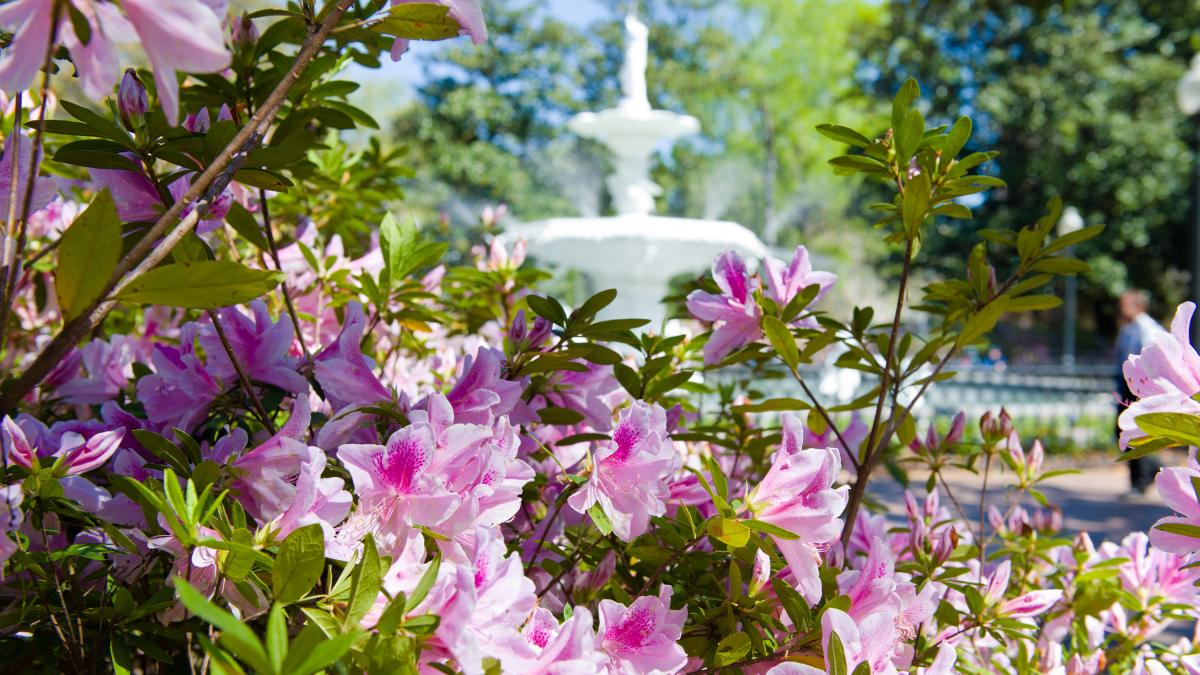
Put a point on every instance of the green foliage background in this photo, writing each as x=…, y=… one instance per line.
x=1078, y=97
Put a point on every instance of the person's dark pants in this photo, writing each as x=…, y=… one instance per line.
x=1142, y=469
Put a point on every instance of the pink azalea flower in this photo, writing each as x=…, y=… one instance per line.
x=202, y=570
x=735, y=313
x=176, y=34
x=569, y=647
x=179, y=35
x=30, y=22
x=44, y=189
x=493, y=599
x=400, y=483
x=346, y=375
x=629, y=476
x=318, y=500
x=135, y=196
x=261, y=346
x=1153, y=577
x=797, y=494
x=1164, y=377
x=870, y=640
x=80, y=455
x=10, y=518
x=15, y=443
x=265, y=478
x=642, y=637
x=785, y=283
x=876, y=587
x=74, y=451
x=1176, y=487
x=108, y=367
x=480, y=393
x=181, y=389
x=1030, y=604
x=594, y=393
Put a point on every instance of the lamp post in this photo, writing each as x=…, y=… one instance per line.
x=1188, y=93
x=1071, y=221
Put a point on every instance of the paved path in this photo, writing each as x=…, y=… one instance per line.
x=1092, y=500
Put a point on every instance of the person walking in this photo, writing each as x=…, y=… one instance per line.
x=1136, y=329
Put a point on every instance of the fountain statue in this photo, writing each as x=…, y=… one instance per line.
x=634, y=251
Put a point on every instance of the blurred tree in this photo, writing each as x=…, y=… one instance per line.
x=771, y=71
x=487, y=125
x=1078, y=97
x=759, y=74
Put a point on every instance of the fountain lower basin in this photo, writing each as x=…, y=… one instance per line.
x=634, y=253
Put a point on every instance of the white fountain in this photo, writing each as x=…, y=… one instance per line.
x=635, y=252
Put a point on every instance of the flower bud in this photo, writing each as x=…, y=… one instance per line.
x=132, y=102
x=944, y=544
x=760, y=575
x=518, y=330
x=243, y=32
x=538, y=334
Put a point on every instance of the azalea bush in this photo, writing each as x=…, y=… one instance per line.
x=253, y=423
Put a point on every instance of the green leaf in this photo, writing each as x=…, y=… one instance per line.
x=554, y=415
x=771, y=405
x=170, y=453
x=364, y=584
x=547, y=308
x=1073, y=238
x=398, y=242
x=732, y=648
x=835, y=656
x=262, y=178
x=323, y=655
x=423, y=585
x=299, y=563
x=1055, y=265
x=908, y=136
x=795, y=606
x=915, y=206
x=909, y=91
x=1030, y=303
x=600, y=519
x=730, y=531
x=782, y=340
x=87, y=255
x=859, y=163
x=983, y=321
x=1182, y=529
x=629, y=379
x=768, y=528
x=236, y=636
x=244, y=223
x=206, y=284
x=323, y=620
x=1179, y=427
x=419, y=21
x=957, y=137
x=592, y=306
x=954, y=210
x=277, y=637
x=843, y=134
x=237, y=564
